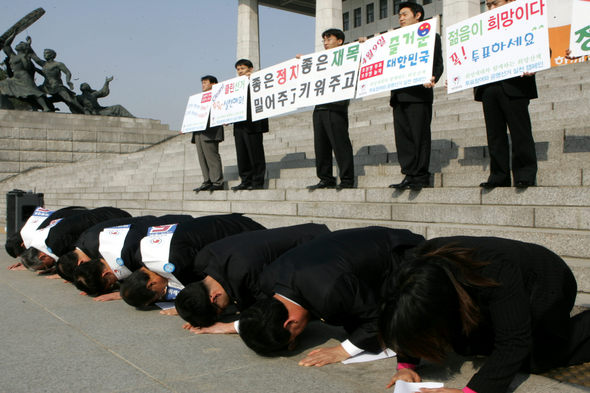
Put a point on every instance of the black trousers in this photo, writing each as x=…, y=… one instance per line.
x=330, y=132
x=500, y=111
x=250, y=155
x=411, y=124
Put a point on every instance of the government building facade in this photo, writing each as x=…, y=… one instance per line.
x=358, y=18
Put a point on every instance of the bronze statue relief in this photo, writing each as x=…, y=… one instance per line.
x=20, y=84
x=89, y=101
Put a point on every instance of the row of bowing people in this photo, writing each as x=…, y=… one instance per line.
x=505, y=299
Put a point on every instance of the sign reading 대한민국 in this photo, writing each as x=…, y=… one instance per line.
x=499, y=44
x=580, y=32
x=228, y=101
x=397, y=59
x=197, y=112
x=274, y=90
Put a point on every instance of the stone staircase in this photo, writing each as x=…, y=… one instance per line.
x=556, y=213
x=30, y=140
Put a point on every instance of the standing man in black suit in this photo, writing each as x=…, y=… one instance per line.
x=207, y=144
x=412, y=113
x=248, y=138
x=506, y=103
x=330, y=132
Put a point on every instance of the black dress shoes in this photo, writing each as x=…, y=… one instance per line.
x=216, y=188
x=203, y=187
x=491, y=184
x=524, y=184
x=418, y=185
x=405, y=184
x=322, y=184
x=241, y=186
x=342, y=186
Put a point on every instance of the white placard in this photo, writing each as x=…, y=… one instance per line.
x=580, y=32
x=273, y=90
x=197, y=112
x=499, y=44
x=397, y=59
x=228, y=104
x=329, y=75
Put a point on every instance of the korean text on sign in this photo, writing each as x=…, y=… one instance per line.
x=397, y=59
x=274, y=90
x=499, y=44
x=580, y=31
x=228, y=101
x=197, y=112
x=328, y=76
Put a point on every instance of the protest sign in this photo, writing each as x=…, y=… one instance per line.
x=329, y=75
x=197, y=112
x=274, y=90
x=580, y=31
x=228, y=101
x=499, y=44
x=560, y=20
x=396, y=59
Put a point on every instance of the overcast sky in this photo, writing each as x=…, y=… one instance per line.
x=157, y=51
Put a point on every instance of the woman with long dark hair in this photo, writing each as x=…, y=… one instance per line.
x=502, y=298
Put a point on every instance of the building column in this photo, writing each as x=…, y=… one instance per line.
x=328, y=14
x=248, y=39
x=454, y=11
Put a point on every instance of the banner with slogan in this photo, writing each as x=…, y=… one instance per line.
x=580, y=30
x=329, y=75
x=197, y=112
x=396, y=59
x=560, y=21
x=499, y=44
x=274, y=90
x=559, y=42
x=228, y=101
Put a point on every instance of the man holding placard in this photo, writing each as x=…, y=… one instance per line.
x=506, y=103
x=412, y=113
x=207, y=144
x=330, y=133
x=249, y=141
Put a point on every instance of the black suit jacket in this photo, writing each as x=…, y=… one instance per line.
x=419, y=93
x=525, y=319
x=62, y=213
x=252, y=127
x=236, y=261
x=62, y=237
x=338, y=277
x=210, y=133
x=191, y=236
x=517, y=87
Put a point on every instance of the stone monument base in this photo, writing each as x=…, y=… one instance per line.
x=36, y=139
